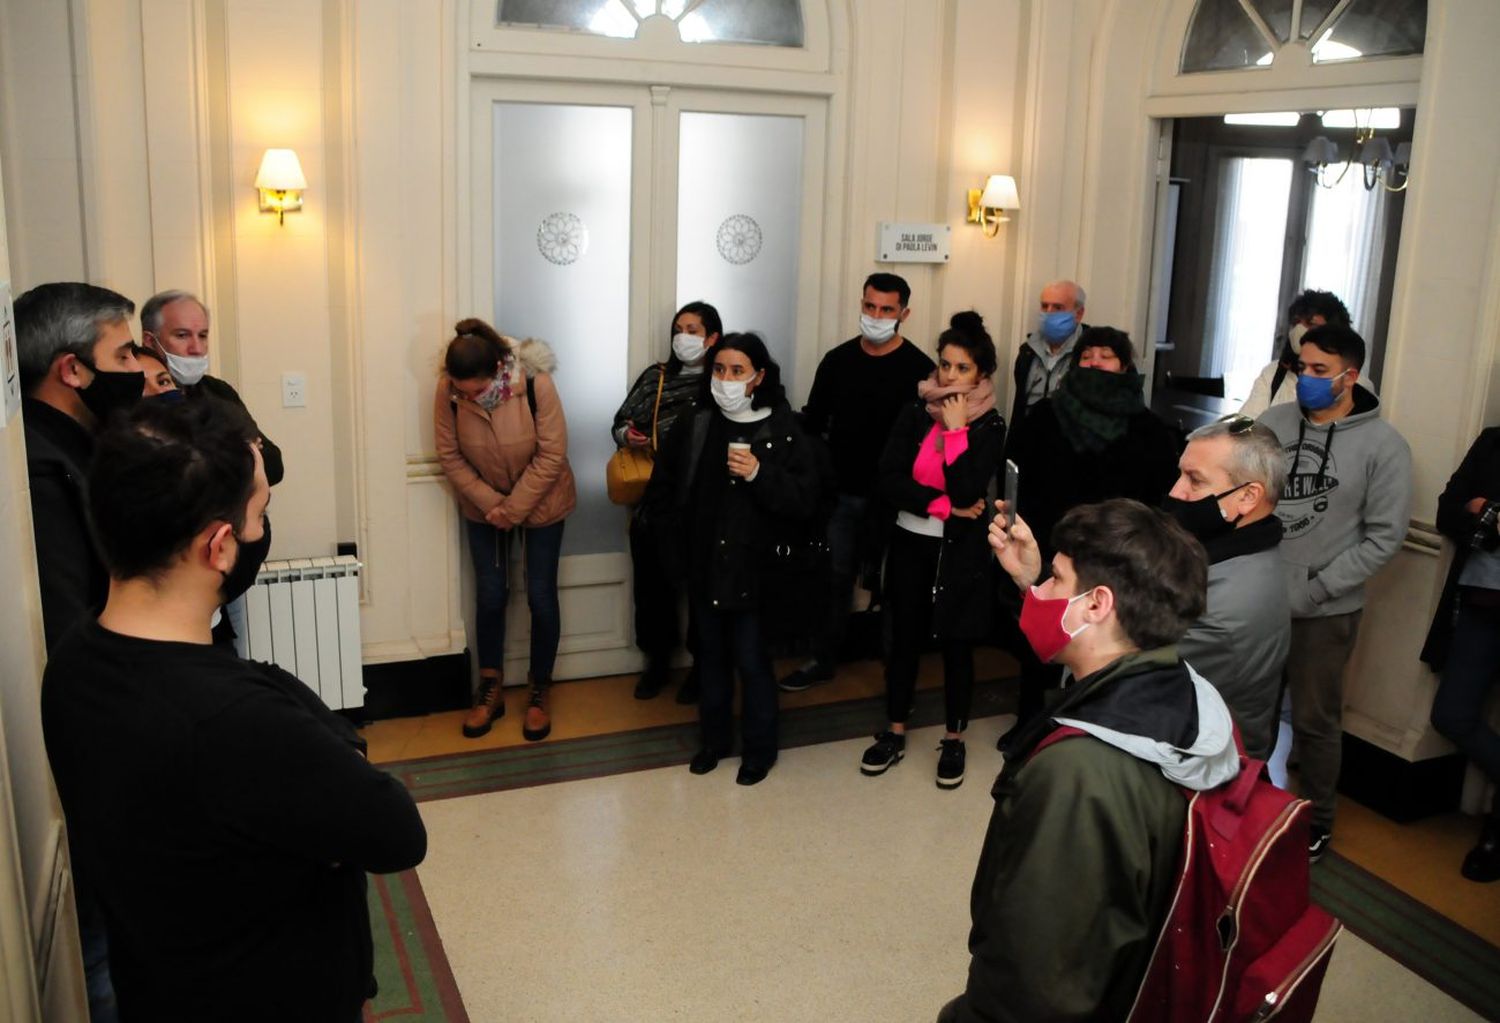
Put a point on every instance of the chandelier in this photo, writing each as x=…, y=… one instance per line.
x=1378, y=164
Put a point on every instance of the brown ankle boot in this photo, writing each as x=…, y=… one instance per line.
x=489, y=704
x=538, y=723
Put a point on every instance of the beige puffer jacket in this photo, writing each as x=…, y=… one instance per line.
x=502, y=458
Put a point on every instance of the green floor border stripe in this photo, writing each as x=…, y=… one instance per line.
x=1389, y=927
x=1455, y=936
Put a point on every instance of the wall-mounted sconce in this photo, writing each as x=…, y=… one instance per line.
x=987, y=207
x=280, y=182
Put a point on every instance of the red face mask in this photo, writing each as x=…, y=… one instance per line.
x=1042, y=623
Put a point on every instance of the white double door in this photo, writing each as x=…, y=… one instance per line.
x=597, y=211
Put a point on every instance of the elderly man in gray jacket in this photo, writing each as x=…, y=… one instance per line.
x=1231, y=475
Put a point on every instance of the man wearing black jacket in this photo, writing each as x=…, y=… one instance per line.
x=224, y=815
x=859, y=389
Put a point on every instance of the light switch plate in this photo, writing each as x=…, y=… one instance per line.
x=293, y=390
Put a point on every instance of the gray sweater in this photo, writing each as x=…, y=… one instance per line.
x=1346, y=505
x=1240, y=643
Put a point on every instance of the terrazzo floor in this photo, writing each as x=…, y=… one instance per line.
x=816, y=895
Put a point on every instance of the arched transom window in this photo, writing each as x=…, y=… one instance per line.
x=1236, y=34
x=766, y=22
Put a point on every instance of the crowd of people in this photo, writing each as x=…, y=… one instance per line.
x=1181, y=599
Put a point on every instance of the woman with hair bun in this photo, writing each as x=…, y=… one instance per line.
x=936, y=471
x=503, y=445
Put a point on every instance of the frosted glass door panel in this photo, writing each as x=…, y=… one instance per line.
x=562, y=274
x=739, y=215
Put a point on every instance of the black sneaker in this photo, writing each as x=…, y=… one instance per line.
x=888, y=750
x=805, y=677
x=1319, y=839
x=950, y=773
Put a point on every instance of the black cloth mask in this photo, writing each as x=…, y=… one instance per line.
x=112, y=392
x=1202, y=517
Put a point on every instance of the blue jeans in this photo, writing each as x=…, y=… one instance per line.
x=489, y=547
x=1471, y=671
x=730, y=640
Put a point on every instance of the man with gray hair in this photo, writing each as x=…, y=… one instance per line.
x=1043, y=358
x=175, y=323
x=77, y=363
x=78, y=367
x=1231, y=475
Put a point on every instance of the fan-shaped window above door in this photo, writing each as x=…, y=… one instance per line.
x=765, y=22
x=1236, y=34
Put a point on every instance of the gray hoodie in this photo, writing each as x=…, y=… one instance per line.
x=1346, y=505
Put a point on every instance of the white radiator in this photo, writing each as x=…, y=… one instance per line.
x=303, y=616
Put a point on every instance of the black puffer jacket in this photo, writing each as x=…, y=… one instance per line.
x=721, y=532
x=964, y=595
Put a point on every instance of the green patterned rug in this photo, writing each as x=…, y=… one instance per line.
x=417, y=986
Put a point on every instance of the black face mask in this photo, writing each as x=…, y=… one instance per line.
x=112, y=392
x=248, y=558
x=1202, y=517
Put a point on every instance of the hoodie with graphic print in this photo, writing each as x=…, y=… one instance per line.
x=1346, y=504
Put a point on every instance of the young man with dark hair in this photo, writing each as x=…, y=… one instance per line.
x=224, y=815
x=1276, y=384
x=859, y=388
x=1345, y=510
x=1081, y=856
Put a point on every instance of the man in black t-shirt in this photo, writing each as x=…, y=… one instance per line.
x=859, y=388
x=225, y=817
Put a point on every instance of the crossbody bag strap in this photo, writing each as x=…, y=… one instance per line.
x=661, y=381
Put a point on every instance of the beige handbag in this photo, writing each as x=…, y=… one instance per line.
x=629, y=469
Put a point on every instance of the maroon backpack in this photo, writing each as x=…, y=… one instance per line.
x=1241, y=941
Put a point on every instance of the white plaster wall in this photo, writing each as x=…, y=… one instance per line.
x=31, y=822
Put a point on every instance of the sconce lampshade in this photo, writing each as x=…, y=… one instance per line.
x=1403, y=154
x=1376, y=153
x=1000, y=193
x=1321, y=150
x=280, y=170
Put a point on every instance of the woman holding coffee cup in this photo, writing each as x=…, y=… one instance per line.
x=727, y=479
x=935, y=471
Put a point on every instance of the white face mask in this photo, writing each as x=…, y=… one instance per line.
x=877, y=331
x=185, y=369
x=1295, y=335
x=689, y=348
x=730, y=395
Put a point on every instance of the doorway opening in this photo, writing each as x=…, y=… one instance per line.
x=1255, y=226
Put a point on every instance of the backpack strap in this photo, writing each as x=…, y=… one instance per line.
x=1276, y=380
x=1057, y=734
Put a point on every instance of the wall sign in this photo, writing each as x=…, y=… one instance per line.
x=10, y=366
x=913, y=243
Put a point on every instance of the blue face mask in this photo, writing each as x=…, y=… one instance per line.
x=172, y=397
x=1316, y=393
x=1056, y=328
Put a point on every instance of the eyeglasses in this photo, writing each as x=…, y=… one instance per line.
x=1236, y=423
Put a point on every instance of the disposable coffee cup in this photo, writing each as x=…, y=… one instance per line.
x=738, y=445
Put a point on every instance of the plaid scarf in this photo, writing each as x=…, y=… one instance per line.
x=1094, y=406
